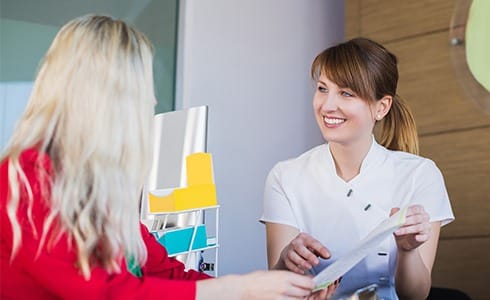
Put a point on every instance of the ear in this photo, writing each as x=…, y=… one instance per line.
x=382, y=107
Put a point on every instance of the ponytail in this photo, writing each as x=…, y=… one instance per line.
x=397, y=131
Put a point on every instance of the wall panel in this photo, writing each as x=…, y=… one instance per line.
x=386, y=20
x=463, y=264
x=429, y=83
x=353, y=14
x=454, y=131
x=464, y=160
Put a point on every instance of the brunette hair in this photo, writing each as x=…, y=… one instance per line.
x=370, y=71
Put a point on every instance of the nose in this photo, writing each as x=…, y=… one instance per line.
x=329, y=102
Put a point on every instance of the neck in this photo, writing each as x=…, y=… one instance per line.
x=348, y=158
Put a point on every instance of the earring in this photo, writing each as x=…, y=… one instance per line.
x=378, y=117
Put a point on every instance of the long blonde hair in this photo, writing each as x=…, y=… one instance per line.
x=91, y=111
x=370, y=70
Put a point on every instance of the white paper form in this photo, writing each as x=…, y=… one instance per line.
x=338, y=268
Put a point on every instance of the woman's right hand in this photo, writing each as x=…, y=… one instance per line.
x=259, y=285
x=325, y=293
x=276, y=285
x=301, y=254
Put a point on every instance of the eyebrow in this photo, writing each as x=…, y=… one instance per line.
x=340, y=87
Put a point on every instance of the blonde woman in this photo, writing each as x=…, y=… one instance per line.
x=319, y=205
x=71, y=176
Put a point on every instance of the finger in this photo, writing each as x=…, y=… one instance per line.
x=422, y=238
x=288, y=285
x=297, y=292
x=309, y=258
x=394, y=210
x=294, y=297
x=417, y=218
x=327, y=292
x=298, y=259
x=323, y=294
x=331, y=290
x=291, y=264
x=320, y=295
x=314, y=246
x=304, y=257
x=413, y=229
x=302, y=282
x=294, y=267
x=321, y=250
x=415, y=209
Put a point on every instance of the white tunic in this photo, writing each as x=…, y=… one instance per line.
x=306, y=193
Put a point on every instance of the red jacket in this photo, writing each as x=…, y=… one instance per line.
x=53, y=274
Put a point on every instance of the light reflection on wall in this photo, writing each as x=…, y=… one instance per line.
x=13, y=99
x=470, y=40
x=27, y=28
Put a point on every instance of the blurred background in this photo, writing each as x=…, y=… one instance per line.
x=452, y=112
x=249, y=61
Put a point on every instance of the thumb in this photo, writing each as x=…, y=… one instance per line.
x=394, y=210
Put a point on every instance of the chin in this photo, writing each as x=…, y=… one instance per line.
x=331, y=138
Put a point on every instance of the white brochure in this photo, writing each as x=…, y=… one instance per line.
x=338, y=268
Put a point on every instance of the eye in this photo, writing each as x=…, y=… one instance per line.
x=322, y=89
x=347, y=94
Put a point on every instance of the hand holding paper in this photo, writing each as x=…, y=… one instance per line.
x=415, y=231
x=346, y=262
x=302, y=253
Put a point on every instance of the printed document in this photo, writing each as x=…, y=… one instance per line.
x=346, y=262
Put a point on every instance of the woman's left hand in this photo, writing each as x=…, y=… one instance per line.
x=415, y=231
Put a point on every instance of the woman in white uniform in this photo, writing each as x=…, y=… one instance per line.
x=319, y=205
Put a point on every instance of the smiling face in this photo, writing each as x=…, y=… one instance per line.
x=342, y=116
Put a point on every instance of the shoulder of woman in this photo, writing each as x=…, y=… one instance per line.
x=34, y=158
x=416, y=163
x=407, y=157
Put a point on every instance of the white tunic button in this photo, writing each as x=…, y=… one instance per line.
x=383, y=279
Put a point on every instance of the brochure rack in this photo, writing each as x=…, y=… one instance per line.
x=199, y=235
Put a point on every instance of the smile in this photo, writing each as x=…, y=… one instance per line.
x=333, y=121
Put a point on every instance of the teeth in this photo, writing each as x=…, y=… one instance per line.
x=333, y=120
